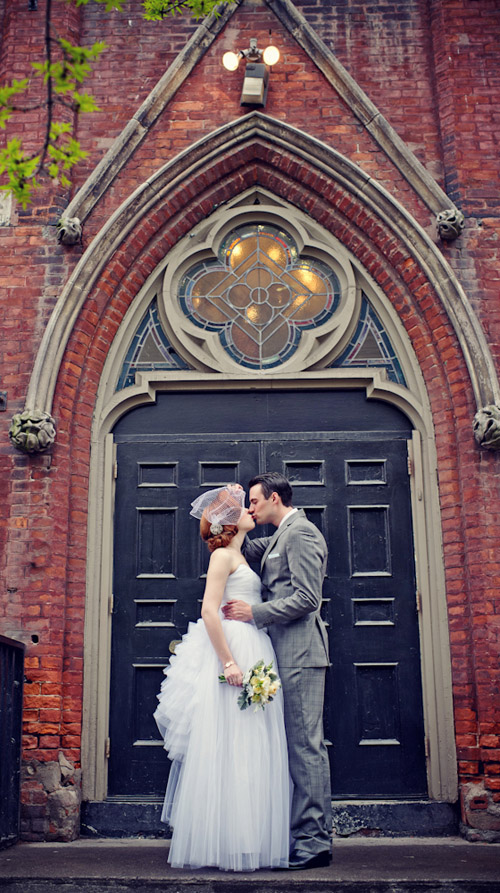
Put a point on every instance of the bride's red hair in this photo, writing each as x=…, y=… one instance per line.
x=221, y=540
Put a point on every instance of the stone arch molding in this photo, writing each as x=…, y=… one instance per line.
x=318, y=347
x=253, y=132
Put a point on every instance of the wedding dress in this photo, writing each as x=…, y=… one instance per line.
x=227, y=796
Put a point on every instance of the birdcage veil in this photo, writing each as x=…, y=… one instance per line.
x=220, y=506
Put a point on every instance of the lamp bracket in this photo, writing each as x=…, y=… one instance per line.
x=253, y=54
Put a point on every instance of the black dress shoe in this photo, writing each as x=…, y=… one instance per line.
x=298, y=862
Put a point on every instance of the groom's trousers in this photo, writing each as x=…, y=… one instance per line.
x=311, y=814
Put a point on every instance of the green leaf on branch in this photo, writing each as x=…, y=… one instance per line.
x=6, y=93
x=20, y=170
x=81, y=55
x=84, y=102
x=155, y=10
x=63, y=150
x=63, y=71
x=72, y=69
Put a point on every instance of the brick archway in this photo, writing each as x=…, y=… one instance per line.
x=384, y=237
x=138, y=240
x=372, y=239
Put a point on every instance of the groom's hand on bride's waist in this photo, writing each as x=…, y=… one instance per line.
x=238, y=610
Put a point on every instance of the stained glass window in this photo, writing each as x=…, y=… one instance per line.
x=150, y=349
x=259, y=294
x=370, y=346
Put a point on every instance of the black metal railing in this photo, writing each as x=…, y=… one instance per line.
x=11, y=709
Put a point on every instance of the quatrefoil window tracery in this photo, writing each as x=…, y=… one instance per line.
x=259, y=295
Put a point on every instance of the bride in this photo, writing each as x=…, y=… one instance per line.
x=227, y=795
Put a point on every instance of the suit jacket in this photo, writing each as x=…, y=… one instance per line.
x=293, y=566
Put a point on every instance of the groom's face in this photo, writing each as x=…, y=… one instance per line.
x=261, y=509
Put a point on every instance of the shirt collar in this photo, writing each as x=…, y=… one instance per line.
x=286, y=517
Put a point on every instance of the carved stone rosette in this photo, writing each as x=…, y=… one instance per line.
x=32, y=431
x=487, y=427
x=450, y=224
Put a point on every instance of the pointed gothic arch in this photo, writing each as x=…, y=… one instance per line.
x=111, y=405
x=259, y=149
x=395, y=252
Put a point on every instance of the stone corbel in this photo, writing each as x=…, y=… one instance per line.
x=487, y=427
x=69, y=230
x=450, y=224
x=32, y=431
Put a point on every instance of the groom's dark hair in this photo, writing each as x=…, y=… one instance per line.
x=273, y=482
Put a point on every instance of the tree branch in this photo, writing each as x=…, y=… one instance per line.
x=50, y=99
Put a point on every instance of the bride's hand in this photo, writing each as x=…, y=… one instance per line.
x=233, y=675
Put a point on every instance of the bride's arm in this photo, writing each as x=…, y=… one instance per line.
x=218, y=571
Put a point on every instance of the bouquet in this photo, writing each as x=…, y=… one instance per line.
x=260, y=685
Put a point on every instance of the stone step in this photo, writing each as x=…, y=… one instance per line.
x=84, y=885
x=129, y=817
x=359, y=865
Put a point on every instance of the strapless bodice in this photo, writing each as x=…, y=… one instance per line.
x=243, y=584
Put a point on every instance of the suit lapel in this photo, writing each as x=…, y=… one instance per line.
x=276, y=535
x=269, y=548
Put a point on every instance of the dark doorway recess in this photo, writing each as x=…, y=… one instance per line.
x=347, y=458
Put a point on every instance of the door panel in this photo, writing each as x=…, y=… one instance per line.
x=354, y=486
x=358, y=495
x=159, y=568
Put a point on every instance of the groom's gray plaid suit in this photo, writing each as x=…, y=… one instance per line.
x=293, y=565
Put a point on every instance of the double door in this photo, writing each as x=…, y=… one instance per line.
x=354, y=485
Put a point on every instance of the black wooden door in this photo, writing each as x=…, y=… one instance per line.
x=159, y=569
x=347, y=458
x=357, y=493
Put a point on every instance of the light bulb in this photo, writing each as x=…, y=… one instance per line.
x=271, y=55
x=230, y=61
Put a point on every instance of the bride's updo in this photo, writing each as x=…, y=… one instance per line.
x=219, y=540
x=219, y=511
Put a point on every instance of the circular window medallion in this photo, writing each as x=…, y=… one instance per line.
x=259, y=294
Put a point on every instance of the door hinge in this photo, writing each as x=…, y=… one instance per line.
x=115, y=470
x=427, y=747
x=410, y=466
x=111, y=603
x=107, y=748
x=418, y=600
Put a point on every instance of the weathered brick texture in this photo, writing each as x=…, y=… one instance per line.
x=432, y=67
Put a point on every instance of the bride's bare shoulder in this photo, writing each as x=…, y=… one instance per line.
x=222, y=559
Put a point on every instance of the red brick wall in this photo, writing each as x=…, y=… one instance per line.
x=432, y=68
x=387, y=48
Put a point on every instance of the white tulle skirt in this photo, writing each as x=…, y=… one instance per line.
x=228, y=791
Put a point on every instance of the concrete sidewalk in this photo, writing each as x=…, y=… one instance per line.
x=359, y=865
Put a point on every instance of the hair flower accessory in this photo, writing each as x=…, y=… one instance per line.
x=221, y=506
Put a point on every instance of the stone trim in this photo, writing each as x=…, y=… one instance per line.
x=275, y=209
x=435, y=648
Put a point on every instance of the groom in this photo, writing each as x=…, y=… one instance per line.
x=293, y=564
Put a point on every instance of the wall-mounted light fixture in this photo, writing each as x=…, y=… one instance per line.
x=256, y=79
